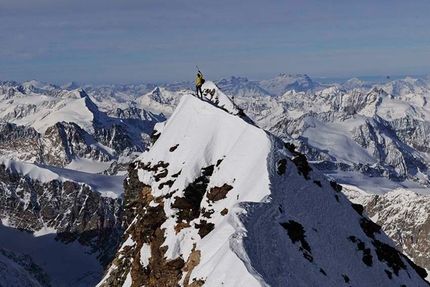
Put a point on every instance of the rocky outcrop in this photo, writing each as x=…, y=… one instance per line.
x=413, y=132
x=19, y=142
x=58, y=146
x=65, y=141
x=144, y=220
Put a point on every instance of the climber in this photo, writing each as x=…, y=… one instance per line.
x=199, y=83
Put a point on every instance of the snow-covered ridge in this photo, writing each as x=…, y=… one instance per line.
x=223, y=203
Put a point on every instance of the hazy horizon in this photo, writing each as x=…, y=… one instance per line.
x=324, y=80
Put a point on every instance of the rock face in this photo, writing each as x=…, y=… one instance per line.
x=404, y=216
x=64, y=141
x=19, y=142
x=74, y=210
x=146, y=233
x=217, y=201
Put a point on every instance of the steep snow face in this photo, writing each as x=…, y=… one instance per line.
x=219, y=202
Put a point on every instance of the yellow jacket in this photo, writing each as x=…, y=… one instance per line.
x=199, y=79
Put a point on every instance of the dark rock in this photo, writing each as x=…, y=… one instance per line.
x=336, y=187
x=282, y=166
x=218, y=193
x=358, y=208
x=317, y=182
x=204, y=228
x=296, y=233
x=173, y=148
x=302, y=165
x=369, y=227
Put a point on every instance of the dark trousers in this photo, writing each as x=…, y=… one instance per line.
x=199, y=88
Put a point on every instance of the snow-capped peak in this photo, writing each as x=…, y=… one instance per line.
x=219, y=202
x=282, y=83
x=70, y=86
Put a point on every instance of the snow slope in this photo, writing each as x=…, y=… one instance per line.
x=241, y=209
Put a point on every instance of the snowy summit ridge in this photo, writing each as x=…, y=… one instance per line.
x=217, y=201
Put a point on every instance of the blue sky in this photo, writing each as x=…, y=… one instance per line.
x=113, y=41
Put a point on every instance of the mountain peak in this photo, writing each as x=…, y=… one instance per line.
x=378, y=91
x=293, y=76
x=71, y=86
x=222, y=202
x=78, y=93
x=283, y=83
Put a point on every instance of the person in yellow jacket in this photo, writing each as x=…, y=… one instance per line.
x=199, y=83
